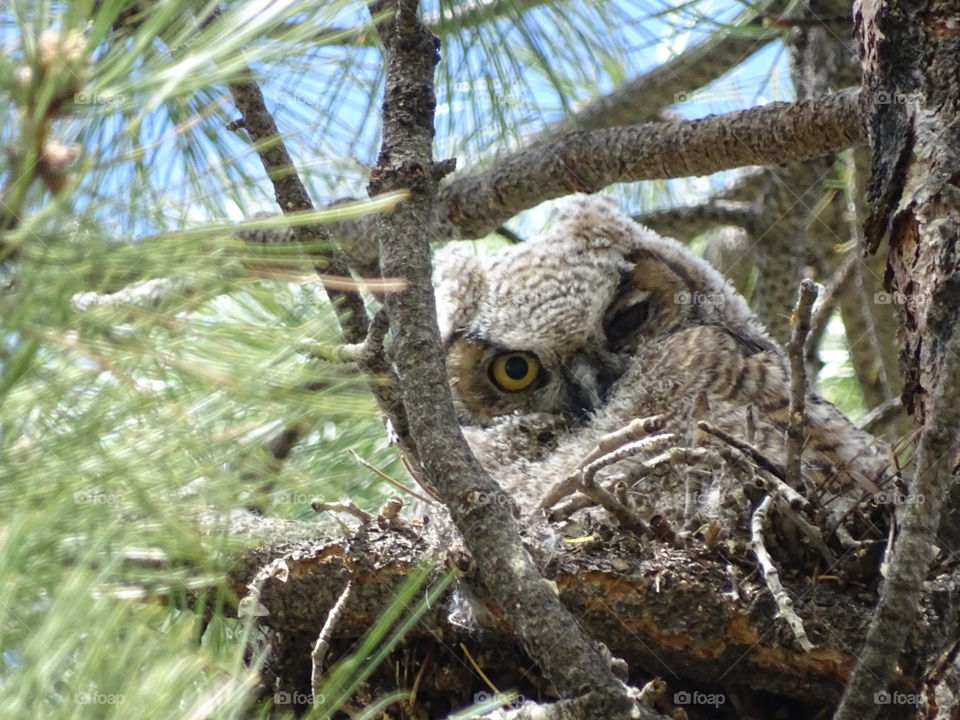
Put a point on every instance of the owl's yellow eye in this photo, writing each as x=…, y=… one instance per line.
x=514, y=371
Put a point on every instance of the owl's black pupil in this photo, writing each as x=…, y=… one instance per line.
x=516, y=367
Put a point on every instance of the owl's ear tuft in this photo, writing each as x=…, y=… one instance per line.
x=459, y=279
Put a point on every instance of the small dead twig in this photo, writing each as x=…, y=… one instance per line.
x=809, y=530
x=347, y=508
x=479, y=670
x=791, y=497
x=676, y=457
x=831, y=296
x=319, y=654
x=882, y=414
x=796, y=429
x=396, y=483
x=605, y=499
x=758, y=457
x=772, y=576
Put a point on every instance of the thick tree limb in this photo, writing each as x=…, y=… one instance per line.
x=901, y=594
x=572, y=662
x=588, y=161
x=668, y=611
x=912, y=107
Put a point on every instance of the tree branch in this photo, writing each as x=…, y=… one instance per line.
x=902, y=590
x=292, y=197
x=572, y=662
x=773, y=134
x=796, y=429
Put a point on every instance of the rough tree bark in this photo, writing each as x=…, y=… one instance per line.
x=572, y=662
x=910, y=53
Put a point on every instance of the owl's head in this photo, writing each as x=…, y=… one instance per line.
x=551, y=324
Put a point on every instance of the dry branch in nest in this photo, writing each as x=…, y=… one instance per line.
x=685, y=613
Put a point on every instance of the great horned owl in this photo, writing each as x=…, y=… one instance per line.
x=555, y=343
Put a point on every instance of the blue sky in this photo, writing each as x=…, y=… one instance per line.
x=326, y=101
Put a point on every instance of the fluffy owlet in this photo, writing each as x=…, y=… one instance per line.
x=553, y=344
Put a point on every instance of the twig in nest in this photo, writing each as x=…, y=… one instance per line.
x=477, y=669
x=758, y=457
x=396, y=483
x=320, y=648
x=796, y=430
x=603, y=497
x=831, y=294
x=791, y=497
x=675, y=457
x=882, y=414
x=772, y=576
x=347, y=508
x=792, y=504
x=566, y=510
x=810, y=531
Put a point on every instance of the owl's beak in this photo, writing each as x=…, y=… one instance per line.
x=586, y=384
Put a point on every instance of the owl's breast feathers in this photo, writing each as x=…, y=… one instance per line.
x=736, y=374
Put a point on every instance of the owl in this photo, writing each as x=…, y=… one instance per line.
x=554, y=344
